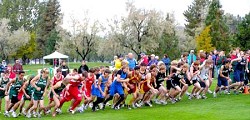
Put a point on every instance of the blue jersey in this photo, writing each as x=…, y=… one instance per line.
x=104, y=81
x=240, y=66
x=122, y=74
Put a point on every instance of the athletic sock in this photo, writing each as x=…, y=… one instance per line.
x=120, y=100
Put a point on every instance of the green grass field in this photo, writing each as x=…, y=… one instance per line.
x=32, y=69
x=224, y=107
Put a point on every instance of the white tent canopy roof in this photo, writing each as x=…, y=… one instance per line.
x=55, y=55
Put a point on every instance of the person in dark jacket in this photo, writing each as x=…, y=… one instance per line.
x=83, y=67
x=65, y=69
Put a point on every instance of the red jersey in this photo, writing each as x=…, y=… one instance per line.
x=134, y=79
x=89, y=82
x=144, y=85
x=233, y=57
x=55, y=80
x=76, y=83
x=145, y=60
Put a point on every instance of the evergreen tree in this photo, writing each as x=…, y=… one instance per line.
x=195, y=16
x=47, y=23
x=243, y=35
x=219, y=29
x=168, y=43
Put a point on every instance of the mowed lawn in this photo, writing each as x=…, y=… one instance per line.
x=32, y=69
x=224, y=107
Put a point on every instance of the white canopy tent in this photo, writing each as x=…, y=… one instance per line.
x=57, y=55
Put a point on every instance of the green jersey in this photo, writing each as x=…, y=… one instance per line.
x=15, y=87
x=42, y=83
x=29, y=89
x=3, y=83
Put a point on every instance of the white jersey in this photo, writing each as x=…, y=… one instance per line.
x=204, y=72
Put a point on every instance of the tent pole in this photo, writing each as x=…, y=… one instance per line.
x=68, y=61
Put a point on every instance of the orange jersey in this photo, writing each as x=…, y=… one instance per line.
x=134, y=79
x=144, y=86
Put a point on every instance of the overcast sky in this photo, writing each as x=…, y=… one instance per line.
x=106, y=9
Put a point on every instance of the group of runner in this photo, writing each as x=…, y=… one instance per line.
x=145, y=84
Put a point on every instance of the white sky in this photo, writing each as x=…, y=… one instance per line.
x=106, y=9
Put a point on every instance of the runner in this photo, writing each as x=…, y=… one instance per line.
x=40, y=84
x=239, y=71
x=28, y=91
x=223, y=77
x=13, y=92
x=133, y=85
x=116, y=87
x=147, y=91
x=72, y=91
x=100, y=89
x=3, y=83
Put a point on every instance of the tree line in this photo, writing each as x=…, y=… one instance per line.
x=32, y=29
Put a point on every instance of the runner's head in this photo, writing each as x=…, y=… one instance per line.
x=6, y=74
x=84, y=75
x=59, y=71
x=174, y=63
x=137, y=69
x=153, y=70
x=196, y=64
x=227, y=63
x=92, y=71
x=21, y=74
x=162, y=69
x=143, y=66
x=246, y=55
x=209, y=63
x=45, y=72
x=185, y=67
x=107, y=72
x=125, y=68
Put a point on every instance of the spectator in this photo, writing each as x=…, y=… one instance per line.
x=3, y=67
x=131, y=61
x=118, y=62
x=12, y=74
x=184, y=58
x=17, y=67
x=153, y=60
x=55, y=63
x=4, y=64
x=191, y=57
x=83, y=67
x=144, y=58
x=166, y=61
x=157, y=58
x=113, y=62
x=65, y=69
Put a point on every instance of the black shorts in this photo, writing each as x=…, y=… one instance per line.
x=14, y=99
x=194, y=81
x=174, y=83
x=169, y=85
x=202, y=84
x=188, y=82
